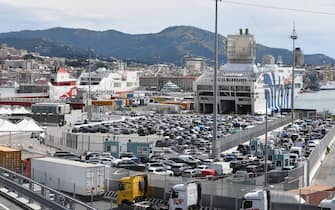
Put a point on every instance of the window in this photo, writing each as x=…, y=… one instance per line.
x=278, y=163
x=174, y=194
x=286, y=162
x=117, y=84
x=247, y=204
x=122, y=186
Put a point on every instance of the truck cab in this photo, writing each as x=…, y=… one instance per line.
x=132, y=189
x=185, y=196
x=255, y=200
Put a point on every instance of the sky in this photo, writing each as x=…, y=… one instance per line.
x=271, y=27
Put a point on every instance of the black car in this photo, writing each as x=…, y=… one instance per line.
x=131, y=165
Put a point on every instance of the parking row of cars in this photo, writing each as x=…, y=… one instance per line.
x=169, y=124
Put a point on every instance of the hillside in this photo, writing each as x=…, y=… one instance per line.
x=169, y=45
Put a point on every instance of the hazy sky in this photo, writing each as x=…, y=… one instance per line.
x=270, y=26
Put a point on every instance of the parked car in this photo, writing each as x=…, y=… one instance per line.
x=131, y=165
x=160, y=171
x=191, y=173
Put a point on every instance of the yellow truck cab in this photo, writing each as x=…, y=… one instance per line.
x=132, y=189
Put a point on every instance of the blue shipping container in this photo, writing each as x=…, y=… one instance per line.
x=130, y=95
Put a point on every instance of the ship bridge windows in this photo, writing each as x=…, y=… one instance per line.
x=243, y=94
x=205, y=87
x=223, y=87
x=224, y=94
x=242, y=88
x=205, y=93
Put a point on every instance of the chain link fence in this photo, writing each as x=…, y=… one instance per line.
x=81, y=143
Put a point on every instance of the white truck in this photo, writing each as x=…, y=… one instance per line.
x=69, y=176
x=185, y=196
x=261, y=199
x=221, y=168
x=327, y=204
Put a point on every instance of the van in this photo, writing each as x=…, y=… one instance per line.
x=297, y=150
x=221, y=168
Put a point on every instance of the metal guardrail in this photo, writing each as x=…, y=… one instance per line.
x=45, y=196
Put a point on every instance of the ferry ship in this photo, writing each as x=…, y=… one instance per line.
x=170, y=87
x=243, y=86
x=110, y=82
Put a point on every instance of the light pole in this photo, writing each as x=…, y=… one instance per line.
x=215, y=107
x=293, y=36
x=266, y=147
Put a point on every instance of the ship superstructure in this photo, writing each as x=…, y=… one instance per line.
x=243, y=86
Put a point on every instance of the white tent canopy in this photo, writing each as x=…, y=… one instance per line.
x=31, y=126
x=26, y=125
x=5, y=111
x=21, y=124
x=7, y=126
x=20, y=110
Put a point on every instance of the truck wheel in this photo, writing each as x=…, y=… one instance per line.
x=125, y=203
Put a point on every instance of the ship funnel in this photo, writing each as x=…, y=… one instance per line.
x=246, y=31
x=241, y=31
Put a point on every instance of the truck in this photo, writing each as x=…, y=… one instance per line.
x=327, y=204
x=69, y=176
x=221, y=168
x=261, y=199
x=134, y=190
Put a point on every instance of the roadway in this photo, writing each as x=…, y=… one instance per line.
x=326, y=172
x=7, y=205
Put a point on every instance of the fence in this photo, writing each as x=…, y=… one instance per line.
x=318, y=154
x=81, y=143
x=231, y=141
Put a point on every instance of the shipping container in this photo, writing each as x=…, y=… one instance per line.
x=141, y=101
x=69, y=176
x=127, y=103
x=130, y=95
x=10, y=158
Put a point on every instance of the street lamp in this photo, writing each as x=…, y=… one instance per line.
x=214, y=142
x=293, y=36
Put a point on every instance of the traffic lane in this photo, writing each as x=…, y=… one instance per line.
x=326, y=172
x=7, y=205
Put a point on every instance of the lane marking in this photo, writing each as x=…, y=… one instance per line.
x=4, y=207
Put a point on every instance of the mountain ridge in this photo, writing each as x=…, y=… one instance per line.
x=169, y=45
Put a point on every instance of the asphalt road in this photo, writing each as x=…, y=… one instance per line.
x=326, y=172
x=7, y=205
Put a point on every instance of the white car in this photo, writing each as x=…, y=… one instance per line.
x=160, y=171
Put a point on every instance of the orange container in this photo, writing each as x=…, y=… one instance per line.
x=10, y=158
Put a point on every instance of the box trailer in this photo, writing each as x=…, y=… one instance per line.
x=69, y=176
x=10, y=158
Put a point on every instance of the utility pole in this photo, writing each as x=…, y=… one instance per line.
x=89, y=113
x=293, y=36
x=215, y=150
x=266, y=147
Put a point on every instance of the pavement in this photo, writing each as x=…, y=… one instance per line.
x=326, y=172
x=7, y=205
